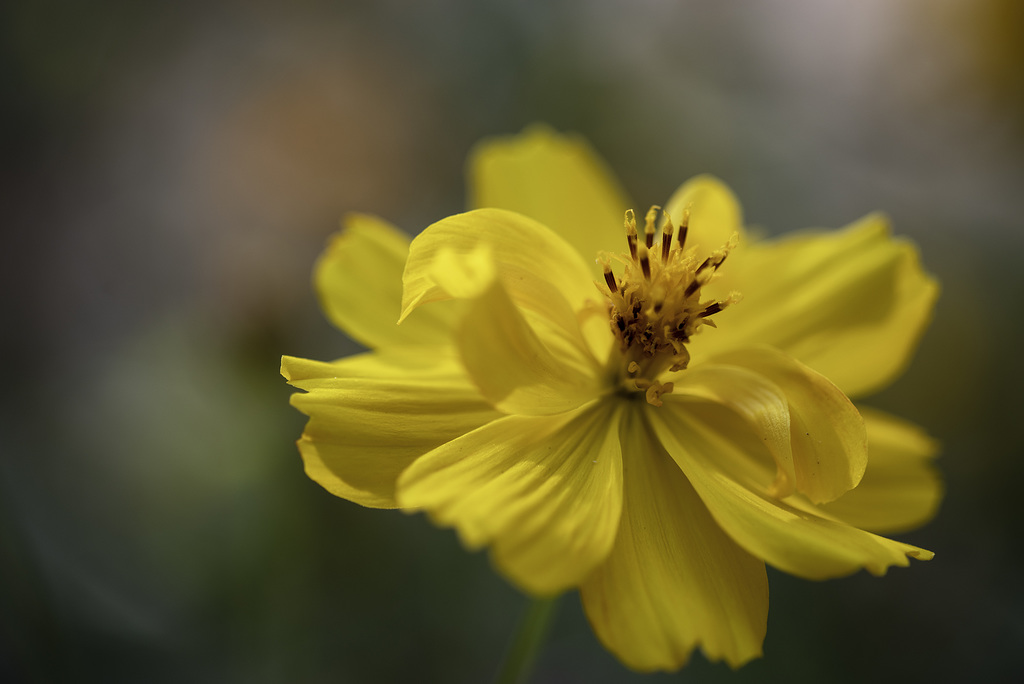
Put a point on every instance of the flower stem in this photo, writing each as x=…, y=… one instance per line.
x=526, y=645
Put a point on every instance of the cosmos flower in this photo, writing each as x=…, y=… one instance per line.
x=646, y=409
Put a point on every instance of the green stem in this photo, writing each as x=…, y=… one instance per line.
x=526, y=645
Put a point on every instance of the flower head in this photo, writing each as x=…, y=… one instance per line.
x=646, y=413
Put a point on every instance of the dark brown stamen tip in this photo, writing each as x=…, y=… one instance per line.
x=609, y=278
x=711, y=310
x=645, y=262
x=666, y=242
x=692, y=287
x=631, y=239
x=649, y=225
x=684, y=227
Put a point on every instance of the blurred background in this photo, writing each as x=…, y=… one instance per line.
x=170, y=172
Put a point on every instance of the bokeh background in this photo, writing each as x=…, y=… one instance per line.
x=170, y=171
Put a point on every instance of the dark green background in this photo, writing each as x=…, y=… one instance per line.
x=170, y=172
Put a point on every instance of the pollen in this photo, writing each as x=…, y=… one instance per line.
x=655, y=306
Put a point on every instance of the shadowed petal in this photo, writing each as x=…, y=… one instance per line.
x=544, y=491
x=901, y=489
x=511, y=364
x=761, y=403
x=674, y=579
x=359, y=281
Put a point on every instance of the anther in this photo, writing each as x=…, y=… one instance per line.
x=711, y=309
x=666, y=238
x=609, y=277
x=631, y=234
x=684, y=227
x=649, y=228
x=692, y=287
x=645, y=261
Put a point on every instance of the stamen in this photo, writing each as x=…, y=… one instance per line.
x=609, y=277
x=712, y=309
x=649, y=227
x=631, y=234
x=645, y=261
x=684, y=227
x=655, y=309
x=666, y=238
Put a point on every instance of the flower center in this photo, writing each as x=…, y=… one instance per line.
x=655, y=305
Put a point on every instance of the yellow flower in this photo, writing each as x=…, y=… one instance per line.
x=558, y=390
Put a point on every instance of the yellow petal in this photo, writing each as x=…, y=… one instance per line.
x=827, y=434
x=758, y=401
x=541, y=271
x=513, y=367
x=545, y=492
x=372, y=415
x=901, y=489
x=674, y=579
x=791, y=535
x=715, y=213
x=522, y=341
x=359, y=281
x=557, y=180
x=851, y=304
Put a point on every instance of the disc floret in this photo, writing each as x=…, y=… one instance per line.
x=655, y=305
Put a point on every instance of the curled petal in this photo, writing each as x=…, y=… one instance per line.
x=674, y=580
x=544, y=491
x=761, y=403
x=827, y=435
x=791, y=535
x=520, y=338
x=372, y=415
x=545, y=277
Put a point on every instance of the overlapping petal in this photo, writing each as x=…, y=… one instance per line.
x=489, y=409
x=851, y=304
x=544, y=491
x=901, y=489
x=828, y=440
x=372, y=415
x=513, y=367
x=556, y=179
x=674, y=579
x=520, y=338
x=792, y=534
x=762, y=405
x=358, y=279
